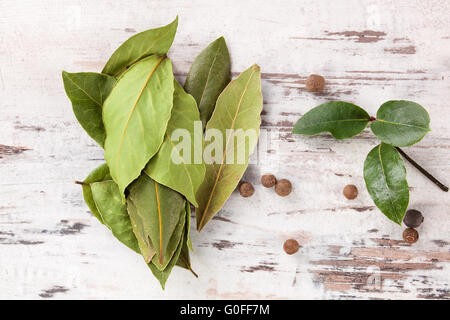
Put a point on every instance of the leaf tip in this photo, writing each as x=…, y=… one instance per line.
x=175, y=22
x=221, y=40
x=65, y=74
x=255, y=67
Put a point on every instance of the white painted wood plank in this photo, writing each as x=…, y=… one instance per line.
x=368, y=51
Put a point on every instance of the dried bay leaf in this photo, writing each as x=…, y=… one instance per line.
x=208, y=76
x=186, y=175
x=175, y=239
x=181, y=256
x=135, y=115
x=157, y=215
x=163, y=275
x=117, y=219
x=153, y=41
x=239, y=106
x=99, y=174
x=87, y=91
x=139, y=231
x=385, y=177
x=114, y=213
x=188, y=226
x=184, y=261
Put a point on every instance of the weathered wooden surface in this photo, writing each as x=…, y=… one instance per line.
x=369, y=52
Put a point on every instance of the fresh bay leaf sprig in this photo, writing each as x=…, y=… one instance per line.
x=398, y=123
x=133, y=110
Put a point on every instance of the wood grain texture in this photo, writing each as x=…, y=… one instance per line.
x=369, y=52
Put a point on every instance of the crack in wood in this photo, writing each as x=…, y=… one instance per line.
x=49, y=293
x=11, y=150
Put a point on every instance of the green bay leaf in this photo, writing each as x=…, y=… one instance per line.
x=135, y=115
x=114, y=213
x=208, y=76
x=87, y=91
x=158, y=217
x=385, y=177
x=238, y=108
x=153, y=41
x=184, y=175
x=401, y=123
x=342, y=119
x=99, y=174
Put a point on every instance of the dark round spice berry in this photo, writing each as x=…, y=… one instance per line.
x=246, y=189
x=291, y=246
x=283, y=187
x=315, y=83
x=350, y=191
x=413, y=218
x=410, y=235
x=268, y=180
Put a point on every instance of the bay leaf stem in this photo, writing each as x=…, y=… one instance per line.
x=424, y=172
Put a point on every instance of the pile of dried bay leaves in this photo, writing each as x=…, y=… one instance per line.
x=132, y=109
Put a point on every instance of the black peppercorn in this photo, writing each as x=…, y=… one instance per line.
x=413, y=218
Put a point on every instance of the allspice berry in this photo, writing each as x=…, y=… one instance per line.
x=350, y=191
x=410, y=235
x=315, y=83
x=283, y=187
x=268, y=180
x=246, y=189
x=291, y=246
x=413, y=218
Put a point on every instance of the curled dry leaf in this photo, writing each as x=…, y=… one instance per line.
x=158, y=216
x=99, y=174
x=163, y=275
x=184, y=261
